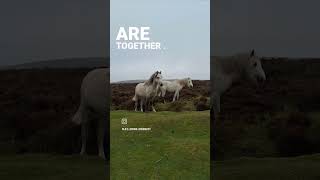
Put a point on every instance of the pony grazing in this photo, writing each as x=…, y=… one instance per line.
x=228, y=70
x=146, y=92
x=174, y=86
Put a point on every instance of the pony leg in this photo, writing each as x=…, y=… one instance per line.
x=153, y=109
x=164, y=93
x=136, y=105
x=214, y=117
x=216, y=106
x=147, y=105
x=100, y=137
x=213, y=128
x=84, y=129
x=141, y=105
x=174, y=96
x=178, y=94
x=163, y=96
x=84, y=137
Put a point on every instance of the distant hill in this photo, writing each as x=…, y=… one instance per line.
x=93, y=62
x=135, y=81
x=128, y=81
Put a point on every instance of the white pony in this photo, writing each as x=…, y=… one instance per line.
x=94, y=106
x=146, y=92
x=228, y=70
x=174, y=86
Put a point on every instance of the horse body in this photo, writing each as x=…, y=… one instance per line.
x=93, y=106
x=174, y=86
x=146, y=92
x=228, y=70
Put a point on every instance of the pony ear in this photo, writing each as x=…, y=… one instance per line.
x=252, y=53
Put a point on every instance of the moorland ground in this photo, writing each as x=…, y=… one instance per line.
x=37, y=106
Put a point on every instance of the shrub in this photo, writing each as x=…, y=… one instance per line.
x=202, y=103
x=289, y=130
x=177, y=106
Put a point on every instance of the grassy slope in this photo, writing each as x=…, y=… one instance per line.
x=51, y=167
x=298, y=168
x=179, y=140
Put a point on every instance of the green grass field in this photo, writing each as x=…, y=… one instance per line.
x=52, y=167
x=56, y=167
x=177, y=147
x=295, y=168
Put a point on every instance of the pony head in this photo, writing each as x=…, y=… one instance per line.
x=155, y=78
x=253, y=69
x=189, y=83
x=158, y=75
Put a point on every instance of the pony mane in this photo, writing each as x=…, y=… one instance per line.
x=235, y=63
x=151, y=79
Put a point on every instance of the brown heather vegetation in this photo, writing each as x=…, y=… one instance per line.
x=37, y=105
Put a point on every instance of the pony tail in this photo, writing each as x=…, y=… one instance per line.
x=134, y=98
x=77, y=118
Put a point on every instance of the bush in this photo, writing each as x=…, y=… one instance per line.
x=177, y=106
x=313, y=134
x=202, y=103
x=289, y=130
x=199, y=103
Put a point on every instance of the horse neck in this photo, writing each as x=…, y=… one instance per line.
x=155, y=84
x=182, y=82
x=150, y=80
x=233, y=68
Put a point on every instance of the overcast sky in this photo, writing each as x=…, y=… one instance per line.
x=33, y=30
x=181, y=26
x=273, y=27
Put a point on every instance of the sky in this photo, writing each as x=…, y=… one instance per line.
x=287, y=28
x=36, y=30
x=181, y=26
